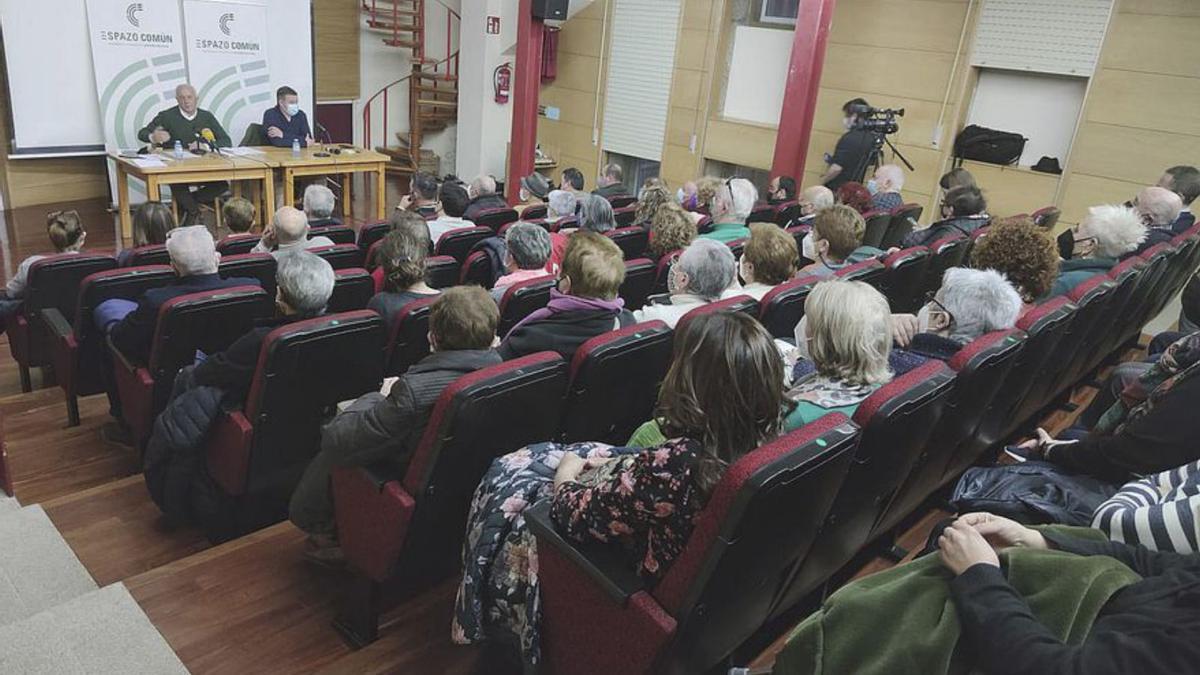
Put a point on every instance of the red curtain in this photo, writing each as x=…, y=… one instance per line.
x=550, y=54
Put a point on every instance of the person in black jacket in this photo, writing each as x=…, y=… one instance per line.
x=584, y=305
x=1149, y=627
x=964, y=210
x=483, y=197
x=304, y=282
x=376, y=427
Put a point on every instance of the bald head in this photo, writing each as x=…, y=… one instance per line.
x=815, y=198
x=1158, y=207
x=290, y=224
x=890, y=178
x=185, y=96
x=483, y=185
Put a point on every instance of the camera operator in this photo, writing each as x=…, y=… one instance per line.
x=849, y=159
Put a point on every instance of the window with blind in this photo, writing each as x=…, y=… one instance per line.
x=1062, y=37
x=641, y=61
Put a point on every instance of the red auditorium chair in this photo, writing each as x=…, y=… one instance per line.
x=340, y=256
x=494, y=219
x=621, y=201
x=625, y=216
x=260, y=266
x=1045, y=325
x=632, y=240
x=704, y=225
x=256, y=454
x=614, y=383
x=1127, y=274
x=638, y=284
x=1141, y=307
x=352, y=289
x=762, y=213
x=896, y=423
x=459, y=243
x=738, y=246
x=786, y=213
x=1046, y=217
x=783, y=306
x=662, y=269
x=877, y=221
x=369, y=233
x=371, y=259
x=1093, y=302
x=78, y=346
x=208, y=322
x=761, y=520
x=441, y=271
x=522, y=299
x=944, y=253
x=535, y=212
x=904, y=220
x=338, y=234
x=237, y=244
x=1166, y=287
x=151, y=254
x=904, y=278
x=869, y=271
x=980, y=367
x=408, y=337
x=565, y=223
x=402, y=531
x=1185, y=267
x=478, y=270
x=798, y=233
x=53, y=282
x=738, y=303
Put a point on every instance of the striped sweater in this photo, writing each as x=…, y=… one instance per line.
x=1160, y=511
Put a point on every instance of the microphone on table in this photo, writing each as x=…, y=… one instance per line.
x=211, y=139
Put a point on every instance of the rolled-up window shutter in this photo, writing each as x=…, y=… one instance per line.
x=1044, y=36
x=641, y=61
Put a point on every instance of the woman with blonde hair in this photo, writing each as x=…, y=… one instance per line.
x=671, y=229
x=842, y=345
x=652, y=199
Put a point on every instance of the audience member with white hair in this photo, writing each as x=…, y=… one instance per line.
x=319, y=203
x=288, y=231
x=969, y=304
x=842, y=348
x=812, y=200
x=1159, y=208
x=731, y=207
x=560, y=204
x=885, y=187
x=526, y=255
x=483, y=195
x=595, y=215
x=702, y=274
x=611, y=182
x=1106, y=234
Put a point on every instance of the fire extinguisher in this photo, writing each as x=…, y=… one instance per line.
x=502, y=82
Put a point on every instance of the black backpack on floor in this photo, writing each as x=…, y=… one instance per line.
x=988, y=145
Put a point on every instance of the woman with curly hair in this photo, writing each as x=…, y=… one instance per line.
x=706, y=192
x=670, y=230
x=856, y=196
x=1021, y=251
x=653, y=197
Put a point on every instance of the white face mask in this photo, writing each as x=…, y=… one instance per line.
x=801, y=336
x=293, y=109
x=680, y=196
x=923, y=319
x=808, y=248
x=848, y=123
x=873, y=186
x=672, y=281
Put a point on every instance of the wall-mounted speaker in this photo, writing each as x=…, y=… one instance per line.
x=555, y=10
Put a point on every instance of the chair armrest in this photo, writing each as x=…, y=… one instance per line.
x=56, y=323
x=119, y=359
x=601, y=562
x=228, y=451
x=373, y=513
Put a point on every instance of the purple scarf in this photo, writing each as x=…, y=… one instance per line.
x=562, y=302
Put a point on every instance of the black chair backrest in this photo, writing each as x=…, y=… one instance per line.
x=786, y=213
x=54, y=281
x=947, y=253
x=352, y=289
x=904, y=279
x=479, y=417
x=152, y=254
x=522, y=299
x=870, y=272
x=621, y=201
x=304, y=369
x=632, y=241
x=533, y=212
x=441, y=271
x=738, y=303
x=338, y=234
x=494, y=219
x=738, y=246
x=798, y=233
x=259, y=266
x=1093, y=303
x=408, y=337
x=704, y=225
x=614, y=382
x=625, y=216
x=124, y=282
x=638, y=284
x=340, y=256
x=564, y=223
x=459, y=243
x=762, y=519
x=904, y=219
x=877, y=227
x=478, y=270
x=783, y=306
x=237, y=244
x=761, y=213
x=369, y=233
x=662, y=268
x=896, y=422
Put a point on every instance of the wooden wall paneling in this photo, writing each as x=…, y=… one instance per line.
x=1012, y=190
x=1159, y=7
x=1104, y=150
x=336, y=49
x=878, y=71
x=1151, y=43
x=1083, y=190
x=1146, y=100
x=741, y=143
x=925, y=25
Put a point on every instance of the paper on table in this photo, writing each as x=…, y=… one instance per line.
x=149, y=162
x=241, y=152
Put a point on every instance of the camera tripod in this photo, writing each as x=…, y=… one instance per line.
x=874, y=158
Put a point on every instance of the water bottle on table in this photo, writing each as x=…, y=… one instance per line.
x=178, y=149
x=295, y=147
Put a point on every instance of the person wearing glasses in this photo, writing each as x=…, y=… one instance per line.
x=1107, y=233
x=731, y=206
x=969, y=304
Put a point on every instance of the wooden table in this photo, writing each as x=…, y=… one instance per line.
x=192, y=169
x=343, y=164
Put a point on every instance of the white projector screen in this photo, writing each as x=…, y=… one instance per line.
x=52, y=90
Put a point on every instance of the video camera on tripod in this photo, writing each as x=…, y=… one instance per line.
x=876, y=120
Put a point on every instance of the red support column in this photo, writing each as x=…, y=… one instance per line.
x=526, y=82
x=800, y=96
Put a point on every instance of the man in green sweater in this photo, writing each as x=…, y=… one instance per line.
x=186, y=123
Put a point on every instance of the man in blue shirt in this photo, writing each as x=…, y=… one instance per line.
x=286, y=122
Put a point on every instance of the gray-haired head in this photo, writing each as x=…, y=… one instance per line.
x=305, y=282
x=192, y=250
x=596, y=215
x=1116, y=229
x=318, y=201
x=483, y=185
x=1159, y=207
x=560, y=204
x=707, y=268
x=981, y=301
x=735, y=200
x=290, y=225
x=528, y=244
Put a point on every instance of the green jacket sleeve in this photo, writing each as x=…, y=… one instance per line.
x=144, y=134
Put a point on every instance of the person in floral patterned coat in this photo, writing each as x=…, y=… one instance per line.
x=722, y=397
